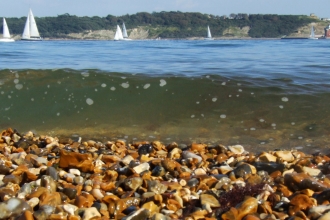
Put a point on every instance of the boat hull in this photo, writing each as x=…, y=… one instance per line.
x=7, y=40
x=31, y=39
x=208, y=38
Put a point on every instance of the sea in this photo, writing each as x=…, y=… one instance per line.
x=261, y=94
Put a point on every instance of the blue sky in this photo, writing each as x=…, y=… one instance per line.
x=102, y=8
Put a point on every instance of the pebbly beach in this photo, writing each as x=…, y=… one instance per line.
x=45, y=177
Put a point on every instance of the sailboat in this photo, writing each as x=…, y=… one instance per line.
x=31, y=32
x=312, y=36
x=5, y=33
x=209, y=36
x=125, y=33
x=119, y=34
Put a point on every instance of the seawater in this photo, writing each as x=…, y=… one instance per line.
x=263, y=94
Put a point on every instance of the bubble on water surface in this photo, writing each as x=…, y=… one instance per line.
x=281, y=106
x=285, y=99
x=19, y=86
x=261, y=120
x=293, y=123
x=112, y=88
x=146, y=86
x=240, y=90
x=58, y=114
x=224, y=83
x=300, y=137
x=273, y=125
x=162, y=82
x=252, y=129
x=16, y=81
x=125, y=85
x=223, y=116
x=214, y=99
x=89, y=101
x=85, y=74
x=32, y=99
x=103, y=85
x=192, y=116
x=197, y=103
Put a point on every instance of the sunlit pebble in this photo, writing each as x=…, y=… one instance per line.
x=240, y=90
x=146, y=86
x=16, y=81
x=103, y=85
x=125, y=85
x=162, y=82
x=223, y=116
x=192, y=116
x=285, y=99
x=58, y=114
x=214, y=99
x=89, y=101
x=261, y=120
x=19, y=86
x=224, y=83
x=281, y=106
x=252, y=129
x=112, y=88
x=197, y=103
x=293, y=123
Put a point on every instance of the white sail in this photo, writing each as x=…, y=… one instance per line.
x=6, y=33
x=119, y=34
x=124, y=31
x=312, y=36
x=209, y=32
x=209, y=36
x=30, y=30
x=26, y=32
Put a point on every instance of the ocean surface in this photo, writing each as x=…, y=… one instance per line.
x=262, y=94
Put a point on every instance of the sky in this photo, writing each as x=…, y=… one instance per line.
x=102, y=8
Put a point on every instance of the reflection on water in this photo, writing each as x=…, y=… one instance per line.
x=259, y=113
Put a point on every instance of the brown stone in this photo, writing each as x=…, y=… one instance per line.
x=83, y=162
x=27, y=215
x=248, y=206
x=52, y=199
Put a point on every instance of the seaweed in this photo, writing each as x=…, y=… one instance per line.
x=237, y=194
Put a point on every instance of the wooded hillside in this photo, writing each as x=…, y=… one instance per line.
x=168, y=24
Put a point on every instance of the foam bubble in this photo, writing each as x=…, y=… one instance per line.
x=214, y=99
x=223, y=116
x=16, y=81
x=192, y=116
x=112, y=88
x=125, y=85
x=19, y=86
x=103, y=85
x=85, y=74
x=162, y=82
x=285, y=99
x=89, y=101
x=146, y=86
